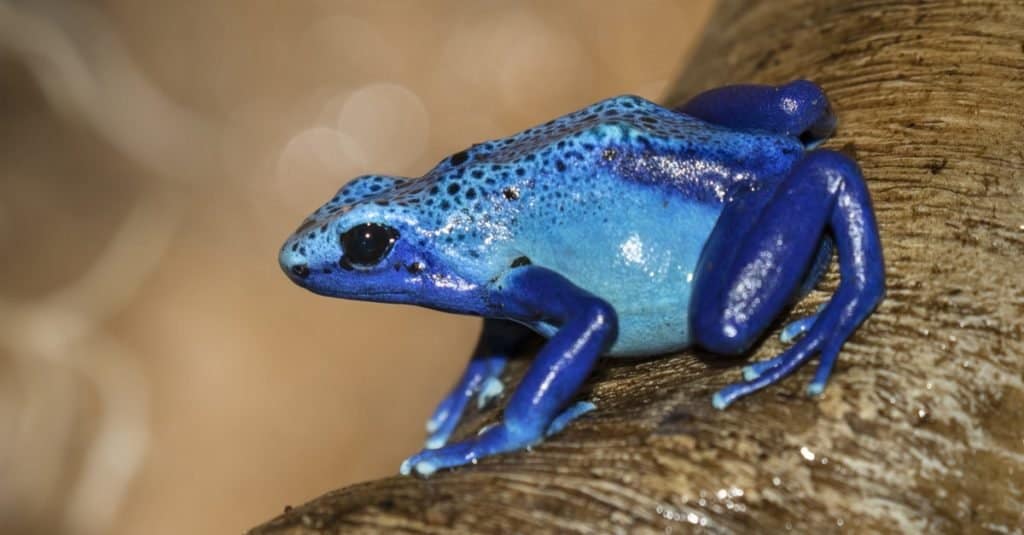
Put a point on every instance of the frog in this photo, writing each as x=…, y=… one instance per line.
x=623, y=229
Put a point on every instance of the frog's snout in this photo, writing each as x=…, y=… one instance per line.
x=293, y=263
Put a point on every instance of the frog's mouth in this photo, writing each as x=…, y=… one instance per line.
x=369, y=295
x=403, y=273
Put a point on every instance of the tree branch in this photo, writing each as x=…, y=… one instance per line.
x=922, y=426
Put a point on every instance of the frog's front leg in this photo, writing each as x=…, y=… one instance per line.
x=587, y=326
x=498, y=340
x=760, y=250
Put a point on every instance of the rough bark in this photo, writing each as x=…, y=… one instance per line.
x=922, y=426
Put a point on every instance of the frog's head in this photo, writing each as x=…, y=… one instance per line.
x=371, y=243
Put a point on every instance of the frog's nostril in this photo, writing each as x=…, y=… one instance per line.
x=293, y=263
x=300, y=270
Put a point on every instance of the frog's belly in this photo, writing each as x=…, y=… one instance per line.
x=653, y=324
x=644, y=269
x=649, y=323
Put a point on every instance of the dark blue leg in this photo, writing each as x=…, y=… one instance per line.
x=587, y=328
x=498, y=340
x=798, y=109
x=798, y=327
x=754, y=263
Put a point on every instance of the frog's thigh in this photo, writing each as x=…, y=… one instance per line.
x=758, y=255
x=799, y=108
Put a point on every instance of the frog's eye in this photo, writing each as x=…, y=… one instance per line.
x=367, y=244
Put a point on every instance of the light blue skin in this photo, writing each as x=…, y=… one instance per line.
x=622, y=229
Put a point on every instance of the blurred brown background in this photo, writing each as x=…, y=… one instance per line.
x=158, y=374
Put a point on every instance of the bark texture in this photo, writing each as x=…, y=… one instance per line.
x=922, y=425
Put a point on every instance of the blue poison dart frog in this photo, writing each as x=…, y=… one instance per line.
x=622, y=229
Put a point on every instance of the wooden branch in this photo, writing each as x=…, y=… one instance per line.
x=922, y=426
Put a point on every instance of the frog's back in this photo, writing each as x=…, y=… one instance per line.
x=638, y=140
x=626, y=137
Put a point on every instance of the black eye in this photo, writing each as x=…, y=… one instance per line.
x=365, y=245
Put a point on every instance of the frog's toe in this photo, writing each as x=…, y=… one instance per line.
x=568, y=415
x=755, y=369
x=441, y=414
x=421, y=468
x=491, y=389
x=798, y=327
x=441, y=425
x=828, y=360
x=436, y=440
x=439, y=437
x=761, y=374
x=426, y=462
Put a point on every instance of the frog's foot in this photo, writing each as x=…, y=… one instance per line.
x=481, y=379
x=491, y=440
x=769, y=372
x=568, y=415
x=824, y=338
x=796, y=328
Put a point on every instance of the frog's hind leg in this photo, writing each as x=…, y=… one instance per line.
x=821, y=262
x=760, y=252
x=799, y=109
